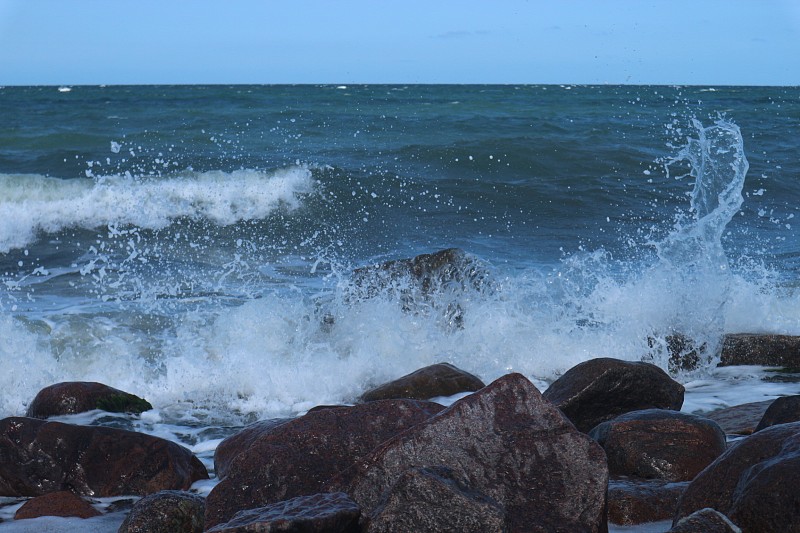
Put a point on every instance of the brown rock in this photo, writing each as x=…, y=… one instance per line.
x=296, y=458
x=433, y=499
x=601, y=389
x=62, y=503
x=507, y=443
x=705, y=521
x=753, y=482
x=73, y=397
x=782, y=411
x=318, y=513
x=441, y=379
x=639, y=501
x=760, y=349
x=37, y=457
x=168, y=511
x=229, y=448
x=659, y=444
x=739, y=419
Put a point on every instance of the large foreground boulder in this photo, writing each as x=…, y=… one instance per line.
x=659, y=444
x=74, y=397
x=504, y=443
x=37, y=457
x=760, y=349
x=442, y=379
x=753, y=482
x=601, y=389
x=705, y=521
x=297, y=457
x=229, y=448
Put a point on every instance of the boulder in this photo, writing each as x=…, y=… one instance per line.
x=442, y=379
x=782, y=411
x=297, y=457
x=739, y=419
x=507, y=443
x=640, y=501
x=434, y=499
x=168, y=511
x=229, y=448
x=752, y=482
x=705, y=521
x=760, y=349
x=601, y=389
x=317, y=513
x=659, y=444
x=73, y=397
x=62, y=503
x=38, y=457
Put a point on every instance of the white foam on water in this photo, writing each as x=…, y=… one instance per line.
x=32, y=204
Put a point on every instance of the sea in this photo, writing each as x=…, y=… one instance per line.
x=195, y=245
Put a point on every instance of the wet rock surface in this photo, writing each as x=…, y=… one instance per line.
x=166, y=512
x=739, y=419
x=601, y=389
x=782, y=411
x=317, y=513
x=442, y=379
x=760, y=349
x=38, y=457
x=62, y=503
x=229, y=448
x=705, y=521
x=296, y=458
x=639, y=501
x=507, y=443
x=74, y=397
x=659, y=444
x=753, y=482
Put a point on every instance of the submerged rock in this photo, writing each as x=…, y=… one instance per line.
x=168, y=511
x=442, y=379
x=506, y=443
x=760, y=349
x=601, y=389
x=37, y=457
x=753, y=482
x=72, y=397
x=63, y=503
x=317, y=513
x=782, y=411
x=639, y=501
x=296, y=458
x=659, y=444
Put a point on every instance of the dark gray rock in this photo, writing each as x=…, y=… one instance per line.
x=639, y=501
x=782, y=411
x=168, y=511
x=433, y=499
x=739, y=419
x=297, y=457
x=705, y=521
x=317, y=513
x=37, y=457
x=442, y=379
x=659, y=444
x=73, y=397
x=753, y=482
x=760, y=349
x=507, y=443
x=601, y=389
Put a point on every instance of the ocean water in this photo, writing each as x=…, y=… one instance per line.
x=194, y=244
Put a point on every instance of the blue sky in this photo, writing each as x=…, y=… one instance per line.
x=709, y=42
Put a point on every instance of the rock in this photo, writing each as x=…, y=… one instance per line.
x=441, y=379
x=639, y=501
x=659, y=444
x=37, y=457
x=318, y=513
x=297, y=457
x=739, y=419
x=168, y=511
x=601, y=389
x=229, y=448
x=73, y=397
x=782, y=411
x=432, y=499
x=705, y=521
x=683, y=352
x=62, y=503
x=510, y=445
x=760, y=349
x=752, y=482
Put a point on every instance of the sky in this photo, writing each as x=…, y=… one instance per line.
x=682, y=42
